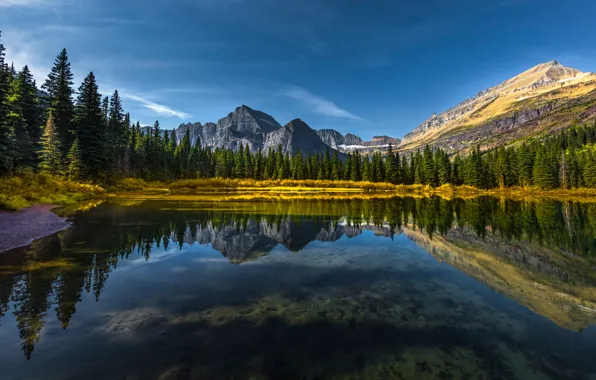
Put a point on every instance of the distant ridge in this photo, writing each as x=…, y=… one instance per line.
x=545, y=98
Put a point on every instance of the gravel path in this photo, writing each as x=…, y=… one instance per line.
x=20, y=228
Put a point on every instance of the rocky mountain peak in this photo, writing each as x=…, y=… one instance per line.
x=512, y=103
x=293, y=136
x=248, y=121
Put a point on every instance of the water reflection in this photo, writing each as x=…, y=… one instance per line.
x=536, y=253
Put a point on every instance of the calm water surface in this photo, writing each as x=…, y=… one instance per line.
x=383, y=288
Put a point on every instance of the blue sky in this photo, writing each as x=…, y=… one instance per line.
x=367, y=67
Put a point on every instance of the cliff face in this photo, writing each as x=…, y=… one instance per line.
x=351, y=143
x=547, y=97
x=334, y=138
x=293, y=136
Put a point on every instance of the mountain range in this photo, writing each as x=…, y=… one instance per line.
x=537, y=102
x=260, y=131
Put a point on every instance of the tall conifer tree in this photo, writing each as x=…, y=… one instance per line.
x=90, y=129
x=50, y=155
x=58, y=86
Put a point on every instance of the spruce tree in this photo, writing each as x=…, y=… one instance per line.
x=50, y=155
x=543, y=175
x=392, y=166
x=297, y=166
x=456, y=171
x=248, y=162
x=23, y=150
x=29, y=104
x=589, y=172
x=336, y=167
x=443, y=166
x=7, y=138
x=239, y=165
x=73, y=160
x=428, y=167
x=564, y=172
x=526, y=165
x=356, y=174
x=419, y=172
x=59, y=90
x=23, y=118
x=270, y=164
x=90, y=129
x=115, y=135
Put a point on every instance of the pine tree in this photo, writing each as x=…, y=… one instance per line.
x=29, y=105
x=443, y=166
x=270, y=164
x=115, y=136
x=73, y=160
x=90, y=129
x=50, y=154
x=589, y=173
x=366, y=169
x=419, y=172
x=58, y=86
x=428, y=166
x=564, y=178
x=542, y=175
x=327, y=164
x=456, y=172
x=105, y=111
x=336, y=167
x=356, y=174
x=502, y=168
x=7, y=138
x=248, y=162
x=23, y=118
x=526, y=165
x=239, y=166
x=474, y=169
x=392, y=166
x=297, y=166
x=405, y=172
x=182, y=154
x=283, y=170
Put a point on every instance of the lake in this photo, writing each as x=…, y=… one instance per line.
x=404, y=288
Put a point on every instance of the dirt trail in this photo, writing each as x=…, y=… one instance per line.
x=20, y=228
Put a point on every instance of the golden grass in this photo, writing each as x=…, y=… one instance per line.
x=29, y=188
x=286, y=185
x=535, y=193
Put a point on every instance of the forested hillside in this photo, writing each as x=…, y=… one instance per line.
x=84, y=137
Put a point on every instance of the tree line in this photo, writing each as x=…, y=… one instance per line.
x=84, y=137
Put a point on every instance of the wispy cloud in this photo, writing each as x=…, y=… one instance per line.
x=24, y=3
x=159, y=109
x=320, y=105
x=121, y=21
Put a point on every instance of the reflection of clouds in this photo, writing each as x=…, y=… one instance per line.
x=178, y=269
x=203, y=260
x=156, y=256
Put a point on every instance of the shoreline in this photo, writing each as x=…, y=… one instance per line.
x=20, y=228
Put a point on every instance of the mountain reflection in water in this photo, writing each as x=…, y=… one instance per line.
x=360, y=298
